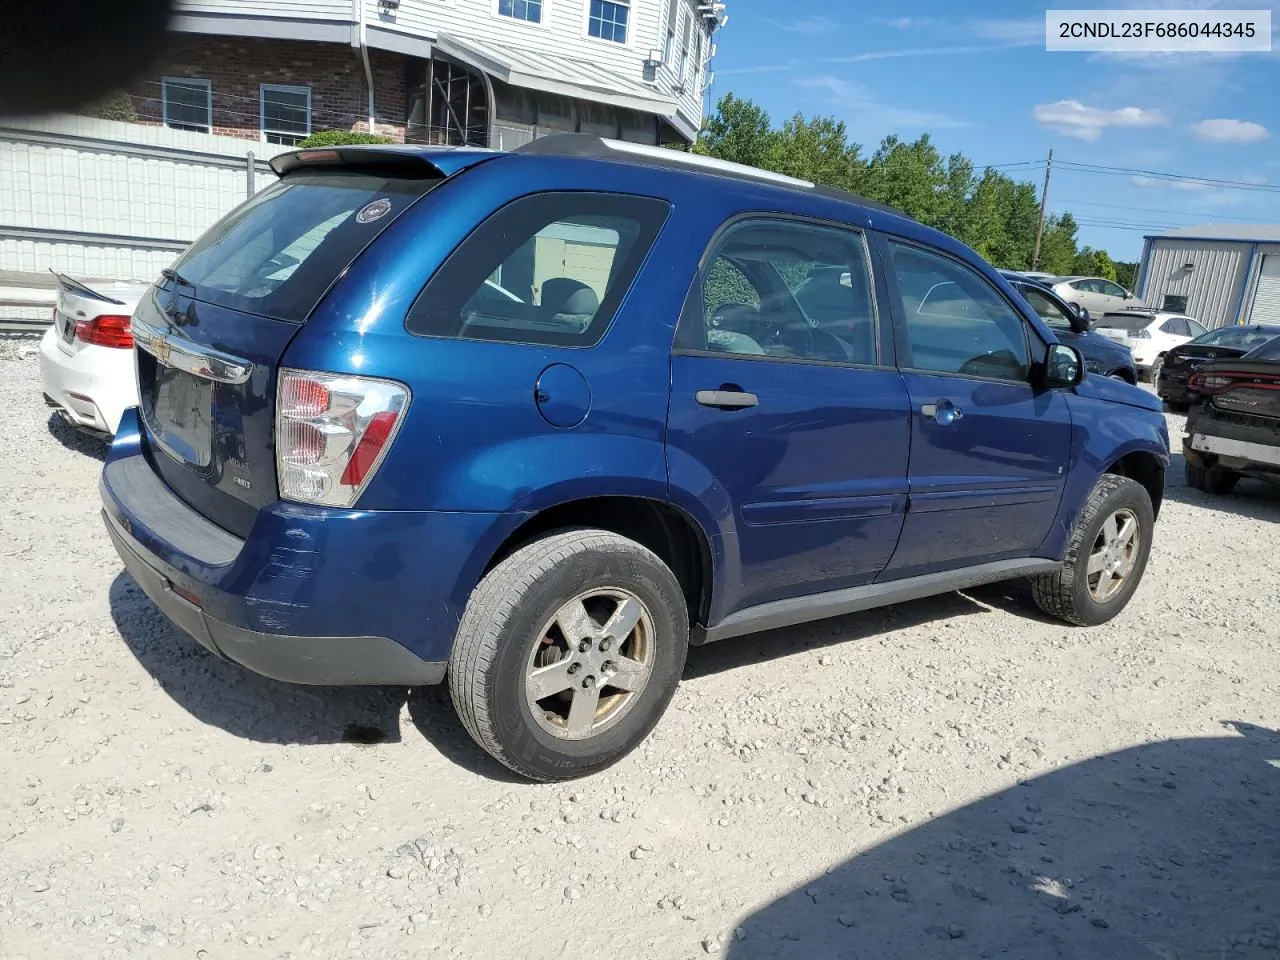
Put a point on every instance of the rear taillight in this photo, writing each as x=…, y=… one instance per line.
x=106, y=331
x=1214, y=383
x=332, y=432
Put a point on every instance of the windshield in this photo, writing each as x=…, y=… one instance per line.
x=278, y=253
x=1243, y=338
x=1125, y=322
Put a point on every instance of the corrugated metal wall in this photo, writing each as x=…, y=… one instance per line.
x=1212, y=288
x=102, y=198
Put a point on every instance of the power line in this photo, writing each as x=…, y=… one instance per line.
x=1167, y=177
x=1179, y=213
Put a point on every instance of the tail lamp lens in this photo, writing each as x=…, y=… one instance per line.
x=332, y=432
x=106, y=331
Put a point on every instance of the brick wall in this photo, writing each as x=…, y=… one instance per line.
x=235, y=66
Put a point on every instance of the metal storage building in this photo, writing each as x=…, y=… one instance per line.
x=1220, y=273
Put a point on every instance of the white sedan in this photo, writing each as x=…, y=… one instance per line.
x=1149, y=334
x=86, y=357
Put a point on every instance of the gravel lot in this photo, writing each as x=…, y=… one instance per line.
x=955, y=777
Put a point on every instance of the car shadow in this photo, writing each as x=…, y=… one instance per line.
x=737, y=652
x=79, y=441
x=1166, y=850
x=226, y=695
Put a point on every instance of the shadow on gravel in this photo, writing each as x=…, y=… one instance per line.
x=226, y=695
x=776, y=644
x=1169, y=850
x=80, y=441
x=1252, y=499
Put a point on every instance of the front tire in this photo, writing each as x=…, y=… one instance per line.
x=1212, y=480
x=1106, y=556
x=568, y=654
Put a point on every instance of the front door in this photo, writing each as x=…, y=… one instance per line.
x=989, y=452
x=784, y=416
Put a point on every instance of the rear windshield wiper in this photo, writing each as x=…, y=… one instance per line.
x=170, y=274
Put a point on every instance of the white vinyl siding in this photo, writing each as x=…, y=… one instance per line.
x=1266, y=300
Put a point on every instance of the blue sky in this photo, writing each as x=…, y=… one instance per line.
x=977, y=78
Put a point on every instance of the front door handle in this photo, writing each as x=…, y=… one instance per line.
x=944, y=412
x=727, y=399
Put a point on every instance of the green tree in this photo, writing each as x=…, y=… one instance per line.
x=991, y=212
x=1126, y=274
x=738, y=131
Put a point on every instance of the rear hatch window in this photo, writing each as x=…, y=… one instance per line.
x=278, y=253
x=1123, y=322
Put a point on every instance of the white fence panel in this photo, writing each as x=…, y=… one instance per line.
x=108, y=199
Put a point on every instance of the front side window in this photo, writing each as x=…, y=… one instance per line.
x=1047, y=310
x=956, y=322
x=786, y=290
x=1114, y=289
x=549, y=269
x=530, y=10
x=607, y=19
x=286, y=114
x=1196, y=329
x=188, y=104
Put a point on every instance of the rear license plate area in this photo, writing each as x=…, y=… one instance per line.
x=177, y=408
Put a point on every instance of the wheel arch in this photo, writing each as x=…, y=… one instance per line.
x=670, y=532
x=1145, y=468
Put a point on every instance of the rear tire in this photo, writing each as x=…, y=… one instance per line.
x=1156, y=367
x=1212, y=480
x=1106, y=557
x=539, y=623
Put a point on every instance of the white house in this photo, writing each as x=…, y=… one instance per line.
x=483, y=72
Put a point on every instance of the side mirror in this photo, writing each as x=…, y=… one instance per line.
x=1063, y=367
x=1079, y=318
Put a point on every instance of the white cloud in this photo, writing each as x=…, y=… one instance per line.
x=1024, y=32
x=908, y=23
x=1072, y=118
x=1160, y=183
x=1229, y=131
x=850, y=97
x=808, y=26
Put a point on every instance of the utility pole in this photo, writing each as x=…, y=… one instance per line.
x=1044, y=201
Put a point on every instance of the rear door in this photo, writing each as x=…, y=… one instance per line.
x=789, y=418
x=210, y=334
x=989, y=451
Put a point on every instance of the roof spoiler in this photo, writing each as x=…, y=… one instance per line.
x=71, y=285
x=395, y=159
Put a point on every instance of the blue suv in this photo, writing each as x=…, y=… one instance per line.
x=532, y=423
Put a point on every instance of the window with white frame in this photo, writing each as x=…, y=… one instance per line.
x=530, y=10
x=607, y=19
x=187, y=104
x=684, y=47
x=286, y=113
x=673, y=14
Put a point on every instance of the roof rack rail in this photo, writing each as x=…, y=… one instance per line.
x=602, y=148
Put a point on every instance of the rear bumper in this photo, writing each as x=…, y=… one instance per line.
x=314, y=596
x=90, y=388
x=1234, y=444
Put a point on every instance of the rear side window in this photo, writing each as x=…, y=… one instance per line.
x=548, y=269
x=276, y=254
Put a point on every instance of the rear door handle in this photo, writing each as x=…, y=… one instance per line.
x=732, y=399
